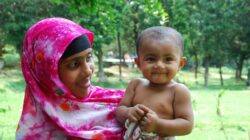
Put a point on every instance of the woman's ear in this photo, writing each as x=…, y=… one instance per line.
x=183, y=61
x=136, y=60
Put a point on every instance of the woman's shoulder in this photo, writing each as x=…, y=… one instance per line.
x=102, y=94
x=102, y=90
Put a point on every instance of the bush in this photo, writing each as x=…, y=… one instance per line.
x=10, y=56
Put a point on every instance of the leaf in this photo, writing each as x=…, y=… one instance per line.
x=240, y=128
x=2, y=110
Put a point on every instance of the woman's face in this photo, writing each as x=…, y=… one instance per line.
x=76, y=71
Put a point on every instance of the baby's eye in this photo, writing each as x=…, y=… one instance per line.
x=150, y=59
x=169, y=59
x=73, y=64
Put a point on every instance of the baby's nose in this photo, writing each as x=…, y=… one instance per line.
x=160, y=64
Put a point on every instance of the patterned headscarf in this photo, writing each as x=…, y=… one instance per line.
x=50, y=111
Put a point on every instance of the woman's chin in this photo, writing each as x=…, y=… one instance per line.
x=82, y=94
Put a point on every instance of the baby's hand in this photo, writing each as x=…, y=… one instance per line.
x=148, y=122
x=137, y=112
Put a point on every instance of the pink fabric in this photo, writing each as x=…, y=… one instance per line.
x=50, y=111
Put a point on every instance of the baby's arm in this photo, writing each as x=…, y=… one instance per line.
x=182, y=123
x=126, y=110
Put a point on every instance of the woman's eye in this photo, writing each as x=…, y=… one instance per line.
x=73, y=64
x=89, y=58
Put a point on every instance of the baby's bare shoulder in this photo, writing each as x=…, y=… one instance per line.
x=182, y=95
x=138, y=81
x=179, y=88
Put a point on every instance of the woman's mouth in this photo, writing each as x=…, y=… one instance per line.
x=85, y=83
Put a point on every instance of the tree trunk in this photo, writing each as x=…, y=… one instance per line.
x=196, y=67
x=1, y=56
x=100, y=74
x=239, y=65
x=1, y=50
x=120, y=54
x=19, y=48
x=135, y=30
x=206, y=62
x=221, y=77
x=248, y=77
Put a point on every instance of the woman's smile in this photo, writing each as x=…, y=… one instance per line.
x=84, y=83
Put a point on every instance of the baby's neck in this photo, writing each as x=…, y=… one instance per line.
x=154, y=85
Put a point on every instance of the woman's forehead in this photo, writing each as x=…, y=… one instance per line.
x=81, y=54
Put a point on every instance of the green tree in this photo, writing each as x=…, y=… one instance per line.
x=239, y=34
x=141, y=14
x=110, y=21
x=100, y=17
x=18, y=15
x=187, y=19
x=213, y=31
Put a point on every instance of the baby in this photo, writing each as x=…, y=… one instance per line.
x=160, y=106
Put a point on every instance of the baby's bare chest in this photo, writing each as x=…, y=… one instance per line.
x=160, y=102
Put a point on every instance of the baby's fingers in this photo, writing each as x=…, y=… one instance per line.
x=135, y=114
x=144, y=109
x=133, y=119
x=140, y=112
x=147, y=125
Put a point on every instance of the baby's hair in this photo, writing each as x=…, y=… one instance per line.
x=160, y=32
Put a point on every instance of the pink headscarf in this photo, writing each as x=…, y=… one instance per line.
x=50, y=111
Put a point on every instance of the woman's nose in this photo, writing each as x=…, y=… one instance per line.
x=86, y=69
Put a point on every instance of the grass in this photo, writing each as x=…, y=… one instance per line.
x=234, y=102
x=11, y=100
x=235, y=115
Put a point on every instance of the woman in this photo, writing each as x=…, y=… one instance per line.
x=60, y=102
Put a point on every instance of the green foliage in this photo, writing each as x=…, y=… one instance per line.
x=10, y=56
x=11, y=59
x=214, y=31
x=18, y=15
x=141, y=14
x=9, y=49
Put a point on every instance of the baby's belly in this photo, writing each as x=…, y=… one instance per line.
x=163, y=110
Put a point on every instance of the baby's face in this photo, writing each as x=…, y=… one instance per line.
x=76, y=71
x=159, y=60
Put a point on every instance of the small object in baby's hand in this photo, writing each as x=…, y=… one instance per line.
x=130, y=129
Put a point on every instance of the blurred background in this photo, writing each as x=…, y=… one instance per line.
x=217, y=46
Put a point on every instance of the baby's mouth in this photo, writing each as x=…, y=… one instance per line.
x=159, y=73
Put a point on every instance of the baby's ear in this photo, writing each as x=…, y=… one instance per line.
x=183, y=61
x=136, y=60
